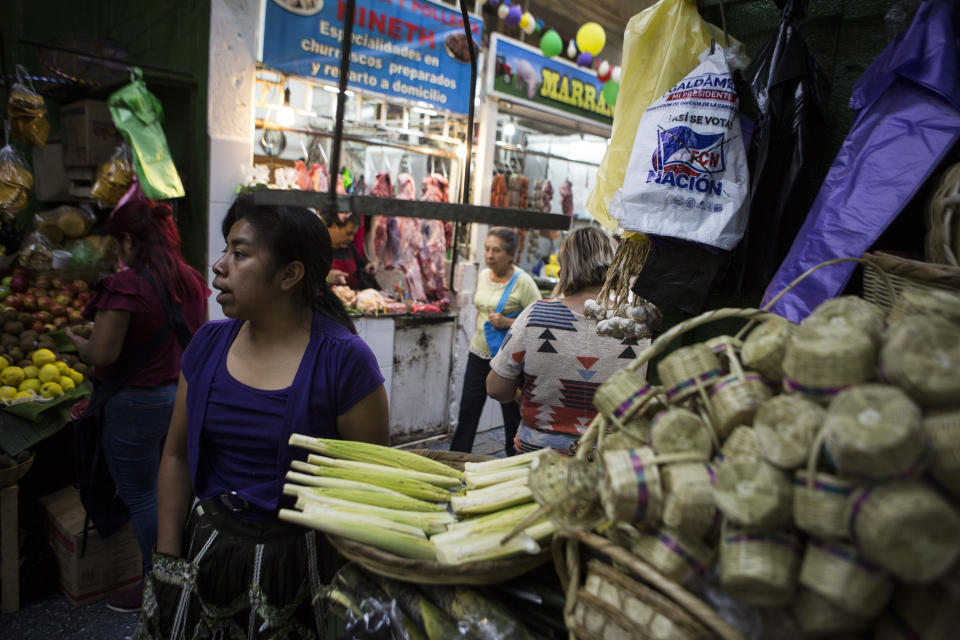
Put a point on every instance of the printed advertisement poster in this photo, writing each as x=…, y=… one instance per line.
x=523, y=74
x=412, y=49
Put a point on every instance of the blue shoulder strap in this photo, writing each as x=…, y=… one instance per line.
x=506, y=292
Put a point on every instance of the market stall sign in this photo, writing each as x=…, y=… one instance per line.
x=520, y=73
x=412, y=49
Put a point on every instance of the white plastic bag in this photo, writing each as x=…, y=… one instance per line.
x=687, y=175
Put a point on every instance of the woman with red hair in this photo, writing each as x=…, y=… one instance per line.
x=128, y=309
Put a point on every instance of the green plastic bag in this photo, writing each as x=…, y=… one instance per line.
x=137, y=114
x=660, y=47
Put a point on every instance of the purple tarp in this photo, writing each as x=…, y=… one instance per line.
x=908, y=118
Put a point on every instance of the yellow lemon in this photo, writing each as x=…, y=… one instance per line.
x=43, y=356
x=3, y=363
x=63, y=366
x=76, y=376
x=7, y=392
x=49, y=373
x=12, y=376
x=30, y=384
x=51, y=390
x=66, y=383
x=31, y=371
x=23, y=394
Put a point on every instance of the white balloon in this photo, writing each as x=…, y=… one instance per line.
x=616, y=74
x=604, y=68
x=503, y=10
x=530, y=28
x=572, y=49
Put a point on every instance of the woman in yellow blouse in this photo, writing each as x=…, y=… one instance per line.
x=500, y=281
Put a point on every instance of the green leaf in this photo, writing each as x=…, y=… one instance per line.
x=62, y=342
x=33, y=410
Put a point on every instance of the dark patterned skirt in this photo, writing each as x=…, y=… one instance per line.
x=239, y=579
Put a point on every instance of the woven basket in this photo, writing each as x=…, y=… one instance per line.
x=620, y=440
x=927, y=302
x=631, y=490
x=680, y=431
x=622, y=395
x=785, y=427
x=735, y=400
x=874, y=430
x=569, y=488
x=847, y=312
x=741, y=445
x=726, y=348
x=688, y=368
x=689, y=506
x=943, y=433
x=906, y=528
x=674, y=554
x=765, y=347
x=759, y=568
x=817, y=616
x=9, y=475
x=905, y=275
x=612, y=605
x=820, y=505
x=837, y=572
x=820, y=363
x=942, y=243
x=922, y=356
x=753, y=493
x=927, y=612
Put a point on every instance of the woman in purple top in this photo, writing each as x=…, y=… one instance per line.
x=287, y=360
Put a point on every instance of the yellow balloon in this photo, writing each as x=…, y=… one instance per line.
x=591, y=37
x=525, y=19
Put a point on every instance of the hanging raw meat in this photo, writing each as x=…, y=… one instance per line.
x=566, y=198
x=318, y=178
x=434, y=188
x=382, y=188
x=406, y=189
x=498, y=191
x=303, y=177
x=518, y=191
x=546, y=195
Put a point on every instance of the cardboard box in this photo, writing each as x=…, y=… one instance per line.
x=50, y=181
x=88, y=133
x=109, y=564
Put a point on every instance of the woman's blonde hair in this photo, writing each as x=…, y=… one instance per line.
x=584, y=257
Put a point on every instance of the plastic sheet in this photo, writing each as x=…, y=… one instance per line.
x=27, y=112
x=661, y=44
x=15, y=181
x=908, y=118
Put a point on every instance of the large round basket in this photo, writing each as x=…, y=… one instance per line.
x=9, y=475
x=759, y=567
x=785, y=427
x=838, y=572
x=431, y=572
x=907, y=528
x=922, y=356
x=847, y=312
x=821, y=362
x=926, y=302
x=817, y=616
x=765, y=346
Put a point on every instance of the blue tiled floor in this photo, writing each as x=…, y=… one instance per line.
x=54, y=618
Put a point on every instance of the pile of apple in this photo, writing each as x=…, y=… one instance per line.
x=52, y=303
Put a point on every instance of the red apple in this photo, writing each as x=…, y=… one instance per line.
x=56, y=309
x=14, y=300
x=75, y=316
x=45, y=302
x=18, y=284
x=37, y=326
x=29, y=303
x=60, y=322
x=43, y=316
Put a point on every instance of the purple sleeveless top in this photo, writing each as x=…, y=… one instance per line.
x=237, y=436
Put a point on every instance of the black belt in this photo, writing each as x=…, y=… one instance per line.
x=235, y=503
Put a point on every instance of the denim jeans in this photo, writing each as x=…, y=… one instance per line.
x=135, y=426
x=472, y=399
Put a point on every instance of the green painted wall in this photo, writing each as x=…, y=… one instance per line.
x=174, y=35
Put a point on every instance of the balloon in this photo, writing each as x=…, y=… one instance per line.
x=615, y=74
x=603, y=71
x=504, y=10
x=572, y=50
x=513, y=16
x=530, y=28
x=525, y=20
x=610, y=91
x=539, y=26
x=584, y=59
x=591, y=38
x=551, y=44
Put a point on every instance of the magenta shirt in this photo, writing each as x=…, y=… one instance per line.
x=237, y=436
x=128, y=291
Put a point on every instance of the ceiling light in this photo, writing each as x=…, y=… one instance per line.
x=509, y=129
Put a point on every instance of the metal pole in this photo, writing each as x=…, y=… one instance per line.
x=341, y=103
x=465, y=191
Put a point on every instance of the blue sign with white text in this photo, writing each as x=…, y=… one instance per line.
x=413, y=49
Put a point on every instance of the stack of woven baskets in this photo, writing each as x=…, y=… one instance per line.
x=817, y=465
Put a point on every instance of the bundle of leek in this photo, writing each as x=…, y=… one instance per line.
x=372, y=453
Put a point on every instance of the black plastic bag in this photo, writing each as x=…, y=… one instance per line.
x=98, y=492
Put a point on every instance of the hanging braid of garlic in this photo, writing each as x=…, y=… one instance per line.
x=618, y=311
